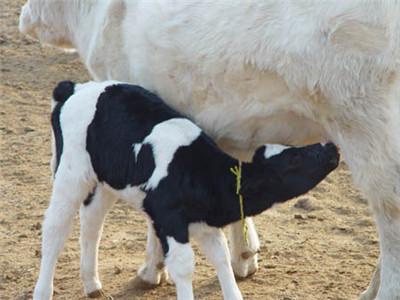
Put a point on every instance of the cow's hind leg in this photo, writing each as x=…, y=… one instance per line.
x=92, y=217
x=68, y=193
x=372, y=291
x=370, y=143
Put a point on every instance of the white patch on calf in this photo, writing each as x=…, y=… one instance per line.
x=213, y=244
x=274, y=149
x=166, y=138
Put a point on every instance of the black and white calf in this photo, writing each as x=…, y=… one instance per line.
x=114, y=140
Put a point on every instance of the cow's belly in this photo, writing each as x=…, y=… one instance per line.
x=240, y=110
x=242, y=138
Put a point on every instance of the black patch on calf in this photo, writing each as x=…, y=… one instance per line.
x=55, y=123
x=125, y=115
x=145, y=164
x=89, y=198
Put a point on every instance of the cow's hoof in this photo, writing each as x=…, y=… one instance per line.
x=369, y=294
x=245, y=265
x=249, y=274
x=99, y=294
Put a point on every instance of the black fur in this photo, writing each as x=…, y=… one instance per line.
x=55, y=123
x=89, y=198
x=63, y=91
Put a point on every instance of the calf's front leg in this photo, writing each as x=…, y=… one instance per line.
x=213, y=244
x=180, y=265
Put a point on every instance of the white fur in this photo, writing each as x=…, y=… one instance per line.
x=212, y=242
x=274, y=149
x=92, y=219
x=251, y=72
x=180, y=265
x=136, y=149
x=244, y=256
x=165, y=138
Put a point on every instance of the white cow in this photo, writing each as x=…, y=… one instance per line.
x=251, y=72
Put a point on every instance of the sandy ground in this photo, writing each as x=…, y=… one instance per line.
x=324, y=250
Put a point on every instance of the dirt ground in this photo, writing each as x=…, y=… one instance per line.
x=326, y=249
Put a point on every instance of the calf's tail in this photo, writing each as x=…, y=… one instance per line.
x=61, y=93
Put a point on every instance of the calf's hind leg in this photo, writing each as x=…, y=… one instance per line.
x=68, y=193
x=213, y=244
x=92, y=218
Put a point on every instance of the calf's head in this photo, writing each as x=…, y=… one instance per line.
x=279, y=173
